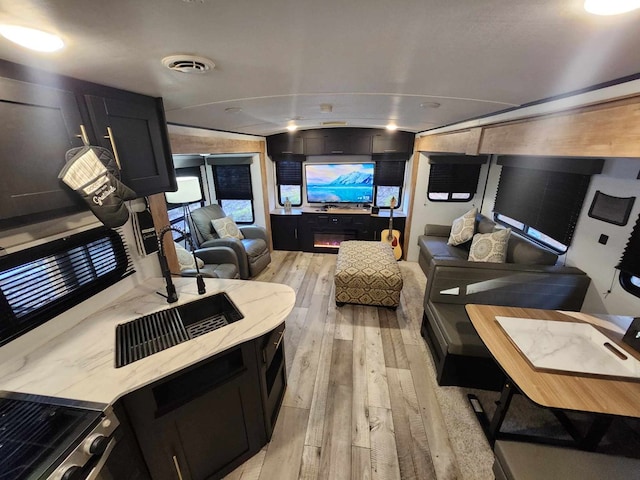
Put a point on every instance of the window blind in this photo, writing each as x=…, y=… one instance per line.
x=550, y=202
x=288, y=172
x=39, y=283
x=389, y=173
x=630, y=261
x=453, y=178
x=233, y=182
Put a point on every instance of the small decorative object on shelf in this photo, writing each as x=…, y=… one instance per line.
x=287, y=205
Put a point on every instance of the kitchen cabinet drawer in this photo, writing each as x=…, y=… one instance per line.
x=271, y=344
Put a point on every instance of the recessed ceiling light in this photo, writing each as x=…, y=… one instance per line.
x=292, y=127
x=430, y=105
x=610, y=7
x=392, y=126
x=32, y=38
x=233, y=109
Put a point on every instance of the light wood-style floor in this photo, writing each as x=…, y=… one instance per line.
x=361, y=401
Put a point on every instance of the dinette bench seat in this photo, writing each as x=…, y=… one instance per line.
x=530, y=461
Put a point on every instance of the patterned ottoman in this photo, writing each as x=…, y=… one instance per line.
x=367, y=273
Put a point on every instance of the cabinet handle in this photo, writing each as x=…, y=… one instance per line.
x=295, y=233
x=277, y=344
x=83, y=135
x=337, y=151
x=177, y=465
x=391, y=150
x=288, y=151
x=109, y=135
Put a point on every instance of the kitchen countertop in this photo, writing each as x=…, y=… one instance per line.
x=80, y=363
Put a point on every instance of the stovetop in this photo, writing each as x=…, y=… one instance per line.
x=37, y=433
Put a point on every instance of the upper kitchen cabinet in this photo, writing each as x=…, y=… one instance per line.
x=284, y=144
x=135, y=130
x=39, y=125
x=393, y=142
x=340, y=141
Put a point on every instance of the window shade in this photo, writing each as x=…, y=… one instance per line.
x=233, y=182
x=39, y=283
x=630, y=261
x=547, y=201
x=288, y=172
x=453, y=178
x=389, y=173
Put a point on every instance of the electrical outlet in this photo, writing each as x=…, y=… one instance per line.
x=603, y=239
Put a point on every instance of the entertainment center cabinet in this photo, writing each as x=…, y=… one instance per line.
x=314, y=230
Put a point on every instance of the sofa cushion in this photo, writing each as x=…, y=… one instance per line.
x=436, y=247
x=456, y=328
x=524, y=252
x=529, y=461
x=463, y=228
x=225, y=227
x=490, y=247
x=185, y=258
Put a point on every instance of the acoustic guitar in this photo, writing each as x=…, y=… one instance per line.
x=391, y=236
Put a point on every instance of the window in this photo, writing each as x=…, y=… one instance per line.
x=454, y=177
x=388, y=179
x=289, y=181
x=629, y=265
x=544, y=204
x=176, y=212
x=39, y=283
x=234, y=192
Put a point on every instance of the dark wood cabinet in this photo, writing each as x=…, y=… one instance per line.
x=132, y=129
x=393, y=142
x=39, y=125
x=43, y=115
x=204, y=421
x=285, y=144
x=322, y=232
x=285, y=232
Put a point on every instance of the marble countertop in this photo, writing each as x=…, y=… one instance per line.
x=79, y=363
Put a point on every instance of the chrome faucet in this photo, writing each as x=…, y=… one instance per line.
x=171, y=295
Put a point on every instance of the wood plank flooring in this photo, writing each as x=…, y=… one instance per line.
x=361, y=401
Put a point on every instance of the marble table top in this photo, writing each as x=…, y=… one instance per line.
x=569, y=347
x=79, y=363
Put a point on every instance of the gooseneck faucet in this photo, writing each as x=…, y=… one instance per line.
x=171, y=295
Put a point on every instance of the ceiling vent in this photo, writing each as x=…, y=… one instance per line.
x=188, y=63
x=333, y=123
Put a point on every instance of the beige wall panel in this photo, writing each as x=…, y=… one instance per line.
x=610, y=130
x=186, y=144
x=455, y=142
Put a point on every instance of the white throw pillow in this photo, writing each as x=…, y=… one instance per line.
x=490, y=247
x=463, y=228
x=185, y=258
x=225, y=227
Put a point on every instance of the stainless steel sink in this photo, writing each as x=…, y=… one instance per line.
x=153, y=333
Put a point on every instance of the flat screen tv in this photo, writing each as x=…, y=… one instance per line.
x=339, y=182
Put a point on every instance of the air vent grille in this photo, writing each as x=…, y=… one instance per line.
x=188, y=63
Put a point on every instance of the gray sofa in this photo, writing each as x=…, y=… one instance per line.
x=219, y=262
x=529, y=278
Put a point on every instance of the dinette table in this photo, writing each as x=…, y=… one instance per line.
x=605, y=396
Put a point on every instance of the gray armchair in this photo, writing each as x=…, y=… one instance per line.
x=252, y=251
x=219, y=262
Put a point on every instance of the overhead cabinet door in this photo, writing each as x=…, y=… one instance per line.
x=39, y=124
x=134, y=131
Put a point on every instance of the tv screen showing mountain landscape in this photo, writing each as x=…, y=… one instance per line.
x=339, y=182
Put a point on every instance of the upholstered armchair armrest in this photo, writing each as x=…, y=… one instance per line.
x=437, y=230
x=218, y=255
x=235, y=245
x=254, y=231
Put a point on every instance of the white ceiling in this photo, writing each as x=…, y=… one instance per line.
x=375, y=61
